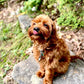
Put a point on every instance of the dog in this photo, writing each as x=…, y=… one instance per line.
x=50, y=51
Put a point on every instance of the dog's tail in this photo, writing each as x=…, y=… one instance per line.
x=76, y=57
x=73, y=56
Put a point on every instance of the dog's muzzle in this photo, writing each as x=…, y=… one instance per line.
x=36, y=29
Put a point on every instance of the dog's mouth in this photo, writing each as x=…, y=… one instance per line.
x=36, y=35
x=35, y=32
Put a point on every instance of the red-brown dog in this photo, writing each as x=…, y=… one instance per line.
x=49, y=50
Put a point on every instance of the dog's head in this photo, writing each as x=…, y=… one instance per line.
x=41, y=28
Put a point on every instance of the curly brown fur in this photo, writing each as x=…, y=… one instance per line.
x=56, y=57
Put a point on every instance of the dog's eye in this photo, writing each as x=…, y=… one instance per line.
x=46, y=26
x=29, y=26
x=34, y=23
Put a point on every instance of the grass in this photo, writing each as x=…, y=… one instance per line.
x=13, y=44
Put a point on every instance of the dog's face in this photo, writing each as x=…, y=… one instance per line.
x=41, y=28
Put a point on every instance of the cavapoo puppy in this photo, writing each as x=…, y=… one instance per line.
x=49, y=50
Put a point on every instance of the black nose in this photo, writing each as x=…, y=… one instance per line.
x=36, y=29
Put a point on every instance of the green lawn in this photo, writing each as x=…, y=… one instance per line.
x=13, y=44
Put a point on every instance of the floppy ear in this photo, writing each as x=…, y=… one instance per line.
x=54, y=31
x=54, y=36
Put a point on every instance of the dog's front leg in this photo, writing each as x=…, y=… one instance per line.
x=52, y=63
x=41, y=72
x=49, y=74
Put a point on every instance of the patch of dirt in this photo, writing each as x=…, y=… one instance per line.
x=8, y=79
x=75, y=41
x=10, y=13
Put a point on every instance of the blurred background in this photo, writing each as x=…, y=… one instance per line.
x=68, y=15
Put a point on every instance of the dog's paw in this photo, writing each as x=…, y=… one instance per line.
x=40, y=74
x=46, y=81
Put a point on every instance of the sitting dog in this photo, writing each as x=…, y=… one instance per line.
x=49, y=50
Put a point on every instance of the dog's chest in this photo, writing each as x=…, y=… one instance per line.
x=40, y=54
x=43, y=54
